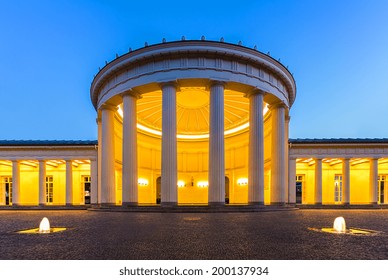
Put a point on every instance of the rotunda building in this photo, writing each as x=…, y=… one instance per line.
x=193, y=123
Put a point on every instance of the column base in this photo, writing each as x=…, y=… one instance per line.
x=318, y=204
x=69, y=204
x=41, y=204
x=216, y=204
x=168, y=204
x=129, y=204
x=277, y=204
x=346, y=204
x=107, y=204
x=254, y=203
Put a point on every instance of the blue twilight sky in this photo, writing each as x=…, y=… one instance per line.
x=50, y=50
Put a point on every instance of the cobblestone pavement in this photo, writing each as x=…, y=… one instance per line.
x=129, y=235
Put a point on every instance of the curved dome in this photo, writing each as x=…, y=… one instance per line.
x=192, y=110
x=192, y=66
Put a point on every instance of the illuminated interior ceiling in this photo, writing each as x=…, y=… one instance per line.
x=193, y=112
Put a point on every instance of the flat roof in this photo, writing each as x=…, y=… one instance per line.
x=48, y=142
x=339, y=141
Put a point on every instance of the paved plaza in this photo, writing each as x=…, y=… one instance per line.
x=133, y=235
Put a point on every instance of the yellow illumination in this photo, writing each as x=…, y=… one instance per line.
x=181, y=184
x=242, y=181
x=149, y=130
x=142, y=182
x=120, y=111
x=203, y=184
x=191, y=137
x=37, y=231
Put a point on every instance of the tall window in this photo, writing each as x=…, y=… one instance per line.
x=49, y=189
x=6, y=183
x=85, y=189
x=382, y=179
x=337, y=188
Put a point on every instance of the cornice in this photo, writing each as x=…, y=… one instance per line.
x=185, y=49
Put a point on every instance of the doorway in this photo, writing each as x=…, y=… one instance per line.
x=299, y=188
x=226, y=190
x=158, y=189
x=86, y=189
x=381, y=189
x=7, y=183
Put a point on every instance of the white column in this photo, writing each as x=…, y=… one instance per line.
x=286, y=148
x=94, y=181
x=169, y=146
x=318, y=181
x=346, y=181
x=129, y=176
x=292, y=181
x=99, y=157
x=373, y=180
x=15, y=183
x=256, y=149
x=108, y=185
x=69, y=183
x=278, y=162
x=216, y=145
x=42, y=182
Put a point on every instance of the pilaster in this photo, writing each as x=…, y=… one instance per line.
x=69, y=183
x=373, y=180
x=42, y=182
x=346, y=181
x=318, y=182
x=15, y=183
x=292, y=181
x=94, y=181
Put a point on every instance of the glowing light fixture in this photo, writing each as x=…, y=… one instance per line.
x=142, y=182
x=181, y=184
x=242, y=181
x=339, y=225
x=44, y=226
x=203, y=184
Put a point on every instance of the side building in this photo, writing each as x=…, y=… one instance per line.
x=48, y=173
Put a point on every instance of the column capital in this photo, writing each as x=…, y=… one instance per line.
x=132, y=93
x=216, y=82
x=110, y=107
x=276, y=105
x=255, y=91
x=318, y=158
x=171, y=83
